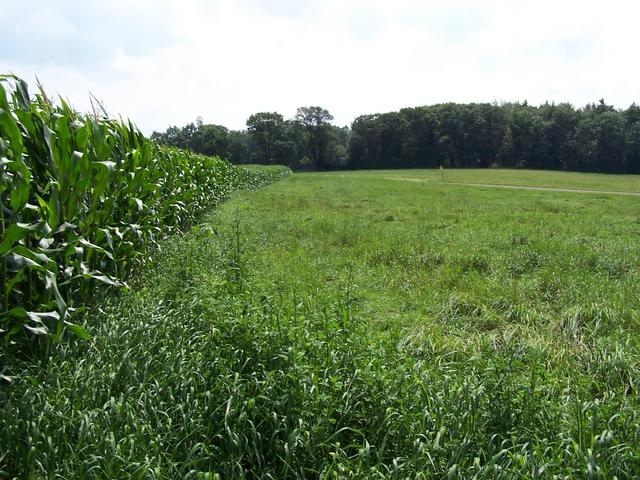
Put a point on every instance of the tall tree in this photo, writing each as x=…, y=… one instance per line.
x=239, y=151
x=266, y=131
x=316, y=121
x=211, y=140
x=421, y=145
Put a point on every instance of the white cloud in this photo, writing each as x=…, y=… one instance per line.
x=171, y=61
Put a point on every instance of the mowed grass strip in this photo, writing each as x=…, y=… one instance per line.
x=525, y=178
x=334, y=326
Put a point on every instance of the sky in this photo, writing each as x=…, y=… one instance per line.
x=167, y=62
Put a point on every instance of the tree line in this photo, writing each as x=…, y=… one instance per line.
x=595, y=138
x=308, y=141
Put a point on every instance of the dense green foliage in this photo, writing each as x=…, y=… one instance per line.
x=307, y=142
x=596, y=138
x=81, y=201
x=358, y=325
x=207, y=139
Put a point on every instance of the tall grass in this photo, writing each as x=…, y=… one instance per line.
x=204, y=370
x=82, y=199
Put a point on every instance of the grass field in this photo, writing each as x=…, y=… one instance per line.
x=350, y=325
x=529, y=178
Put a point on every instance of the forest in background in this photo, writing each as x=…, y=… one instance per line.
x=595, y=138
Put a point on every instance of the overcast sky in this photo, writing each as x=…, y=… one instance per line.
x=164, y=62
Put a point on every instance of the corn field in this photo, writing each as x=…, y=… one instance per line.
x=82, y=199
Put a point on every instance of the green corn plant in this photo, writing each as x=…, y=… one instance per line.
x=82, y=199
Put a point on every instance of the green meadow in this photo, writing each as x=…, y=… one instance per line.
x=525, y=178
x=374, y=324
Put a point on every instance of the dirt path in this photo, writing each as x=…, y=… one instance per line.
x=519, y=187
